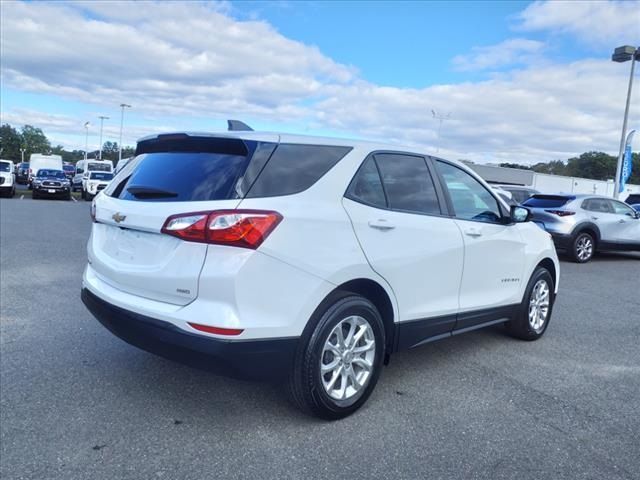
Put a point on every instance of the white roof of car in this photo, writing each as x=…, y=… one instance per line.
x=293, y=138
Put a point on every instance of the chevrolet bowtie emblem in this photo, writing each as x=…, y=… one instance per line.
x=118, y=218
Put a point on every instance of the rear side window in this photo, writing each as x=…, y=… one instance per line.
x=597, y=205
x=366, y=186
x=408, y=183
x=547, y=201
x=293, y=168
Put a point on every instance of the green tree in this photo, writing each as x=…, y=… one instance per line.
x=554, y=167
x=34, y=141
x=594, y=165
x=515, y=165
x=10, y=142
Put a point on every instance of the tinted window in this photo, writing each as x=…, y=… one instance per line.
x=180, y=177
x=547, y=201
x=621, y=209
x=597, y=205
x=5, y=167
x=408, y=183
x=68, y=168
x=294, y=168
x=471, y=200
x=366, y=186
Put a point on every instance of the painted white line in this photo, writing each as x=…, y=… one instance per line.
x=74, y=199
x=21, y=197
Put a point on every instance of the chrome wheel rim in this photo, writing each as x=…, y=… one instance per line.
x=584, y=248
x=539, y=305
x=347, y=359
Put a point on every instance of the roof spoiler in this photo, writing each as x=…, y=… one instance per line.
x=238, y=126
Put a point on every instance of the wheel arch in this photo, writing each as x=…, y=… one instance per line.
x=549, y=265
x=588, y=227
x=378, y=295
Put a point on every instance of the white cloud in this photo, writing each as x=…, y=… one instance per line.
x=601, y=23
x=512, y=51
x=183, y=63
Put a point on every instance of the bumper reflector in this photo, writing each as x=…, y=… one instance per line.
x=216, y=330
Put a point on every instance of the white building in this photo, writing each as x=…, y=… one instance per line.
x=548, y=183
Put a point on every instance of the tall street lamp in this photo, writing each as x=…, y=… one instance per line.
x=86, y=139
x=22, y=150
x=122, y=106
x=102, y=119
x=620, y=55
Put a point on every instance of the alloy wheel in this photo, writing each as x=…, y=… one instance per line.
x=584, y=248
x=539, y=305
x=347, y=359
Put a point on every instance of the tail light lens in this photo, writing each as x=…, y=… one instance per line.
x=561, y=213
x=238, y=228
x=216, y=330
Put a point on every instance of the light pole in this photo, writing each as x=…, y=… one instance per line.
x=620, y=55
x=22, y=150
x=86, y=139
x=102, y=119
x=441, y=118
x=122, y=106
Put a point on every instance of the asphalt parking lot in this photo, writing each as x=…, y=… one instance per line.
x=76, y=402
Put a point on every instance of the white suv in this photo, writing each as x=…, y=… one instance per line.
x=308, y=259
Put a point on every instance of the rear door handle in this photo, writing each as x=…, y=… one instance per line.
x=594, y=218
x=473, y=232
x=381, y=224
x=622, y=220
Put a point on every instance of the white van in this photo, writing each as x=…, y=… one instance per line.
x=83, y=167
x=38, y=161
x=7, y=178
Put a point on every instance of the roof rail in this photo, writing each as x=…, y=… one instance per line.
x=238, y=126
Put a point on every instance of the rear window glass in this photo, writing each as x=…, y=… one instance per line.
x=180, y=177
x=547, y=201
x=5, y=167
x=68, y=168
x=293, y=168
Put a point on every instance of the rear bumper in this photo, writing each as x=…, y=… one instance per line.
x=268, y=359
x=561, y=241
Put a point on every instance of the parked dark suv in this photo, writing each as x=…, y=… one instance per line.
x=22, y=173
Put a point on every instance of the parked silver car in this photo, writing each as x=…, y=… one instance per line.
x=584, y=224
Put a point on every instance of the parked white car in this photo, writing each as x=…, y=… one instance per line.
x=7, y=178
x=84, y=167
x=95, y=183
x=308, y=259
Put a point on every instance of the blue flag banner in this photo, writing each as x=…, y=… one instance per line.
x=627, y=162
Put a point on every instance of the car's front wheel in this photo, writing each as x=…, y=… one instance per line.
x=532, y=316
x=339, y=358
x=583, y=247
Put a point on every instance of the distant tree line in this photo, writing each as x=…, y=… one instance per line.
x=33, y=140
x=593, y=165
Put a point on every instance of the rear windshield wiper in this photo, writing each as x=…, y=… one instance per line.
x=150, y=192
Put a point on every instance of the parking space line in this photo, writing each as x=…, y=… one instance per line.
x=22, y=197
x=74, y=199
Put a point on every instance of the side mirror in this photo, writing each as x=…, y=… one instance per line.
x=520, y=214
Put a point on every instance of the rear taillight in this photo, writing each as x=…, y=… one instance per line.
x=238, y=228
x=561, y=213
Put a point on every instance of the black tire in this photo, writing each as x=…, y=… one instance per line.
x=34, y=195
x=88, y=197
x=83, y=195
x=13, y=192
x=579, y=251
x=520, y=326
x=305, y=383
x=68, y=196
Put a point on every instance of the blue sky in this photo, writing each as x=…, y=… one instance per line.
x=524, y=81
